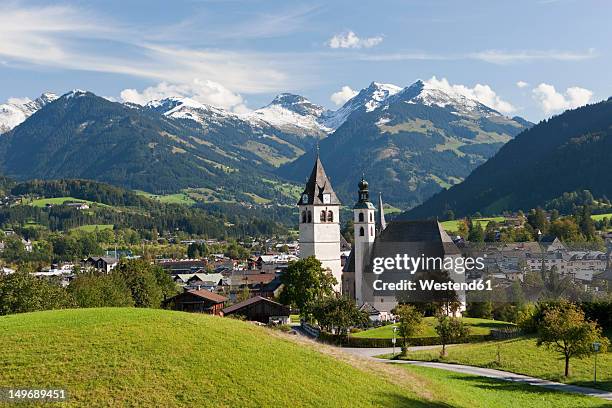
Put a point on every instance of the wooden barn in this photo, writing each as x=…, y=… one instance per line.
x=260, y=309
x=196, y=301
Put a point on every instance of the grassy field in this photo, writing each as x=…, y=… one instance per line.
x=145, y=357
x=599, y=217
x=178, y=198
x=477, y=326
x=93, y=227
x=41, y=202
x=454, y=224
x=470, y=391
x=522, y=356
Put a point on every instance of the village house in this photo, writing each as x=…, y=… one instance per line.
x=101, y=263
x=196, y=301
x=260, y=309
x=78, y=205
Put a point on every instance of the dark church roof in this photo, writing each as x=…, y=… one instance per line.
x=415, y=231
x=318, y=184
x=416, y=238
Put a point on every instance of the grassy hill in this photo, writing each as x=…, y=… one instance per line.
x=524, y=357
x=145, y=357
x=477, y=326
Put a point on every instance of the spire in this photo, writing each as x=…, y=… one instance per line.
x=318, y=190
x=382, y=224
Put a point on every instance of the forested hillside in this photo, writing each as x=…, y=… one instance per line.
x=567, y=153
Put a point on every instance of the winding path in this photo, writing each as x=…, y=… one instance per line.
x=483, y=372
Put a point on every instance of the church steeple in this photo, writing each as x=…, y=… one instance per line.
x=319, y=222
x=380, y=219
x=318, y=190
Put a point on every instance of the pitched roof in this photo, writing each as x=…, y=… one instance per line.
x=206, y=294
x=250, y=301
x=318, y=184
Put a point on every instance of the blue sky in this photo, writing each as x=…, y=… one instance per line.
x=528, y=58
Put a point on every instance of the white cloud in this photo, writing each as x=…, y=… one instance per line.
x=552, y=101
x=207, y=92
x=343, y=95
x=482, y=93
x=350, y=40
x=61, y=37
x=508, y=57
x=522, y=84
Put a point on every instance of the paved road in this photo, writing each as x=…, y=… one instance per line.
x=483, y=372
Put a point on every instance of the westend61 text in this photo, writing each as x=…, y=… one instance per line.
x=431, y=285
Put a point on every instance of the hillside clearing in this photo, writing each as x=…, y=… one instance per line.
x=477, y=326
x=522, y=356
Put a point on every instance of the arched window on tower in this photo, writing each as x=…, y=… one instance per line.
x=309, y=216
x=371, y=217
x=361, y=232
x=360, y=217
x=330, y=216
x=303, y=217
x=323, y=216
x=371, y=231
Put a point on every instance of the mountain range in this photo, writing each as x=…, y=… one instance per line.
x=564, y=154
x=411, y=142
x=16, y=111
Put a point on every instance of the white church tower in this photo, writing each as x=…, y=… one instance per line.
x=365, y=234
x=320, y=222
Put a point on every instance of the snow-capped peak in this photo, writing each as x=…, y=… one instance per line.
x=187, y=108
x=367, y=99
x=17, y=110
x=74, y=93
x=440, y=93
x=292, y=113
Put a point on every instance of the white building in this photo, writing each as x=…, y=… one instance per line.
x=320, y=222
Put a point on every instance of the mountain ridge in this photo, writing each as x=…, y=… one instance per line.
x=537, y=166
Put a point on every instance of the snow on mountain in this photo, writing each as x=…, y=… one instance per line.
x=431, y=93
x=187, y=108
x=294, y=114
x=369, y=98
x=16, y=110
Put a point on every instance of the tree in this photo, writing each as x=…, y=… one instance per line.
x=410, y=322
x=449, y=215
x=565, y=330
x=100, y=290
x=140, y=277
x=21, y=292
x=476, y=233
x=243, y=295
x=462, y=229
x=339, y=313
x=537, y=219
x=305, y=282
x=450, y=329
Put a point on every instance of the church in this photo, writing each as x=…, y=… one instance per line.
x=319, y=227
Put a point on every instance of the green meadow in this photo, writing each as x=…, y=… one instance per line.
x=522, y=356
x=147, y=357
x=477, y=326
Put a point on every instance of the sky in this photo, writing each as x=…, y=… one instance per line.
x=528, y=58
